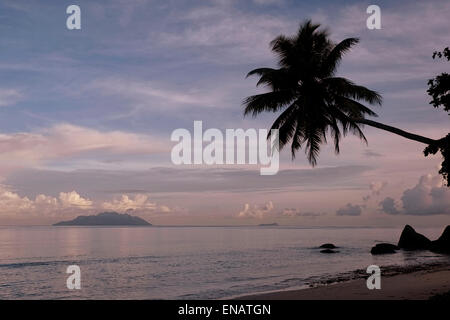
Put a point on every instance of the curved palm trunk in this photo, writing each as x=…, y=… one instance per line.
x=402, y=133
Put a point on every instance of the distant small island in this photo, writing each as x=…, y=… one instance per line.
x=105, y=219
x=268, y=224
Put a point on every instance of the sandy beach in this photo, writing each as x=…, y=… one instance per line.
x=419, y=285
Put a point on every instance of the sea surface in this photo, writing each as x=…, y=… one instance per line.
x=186, y=262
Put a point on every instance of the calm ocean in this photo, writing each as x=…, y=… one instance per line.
x=185, y=262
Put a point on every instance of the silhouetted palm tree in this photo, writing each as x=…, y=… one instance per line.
x=312, y=100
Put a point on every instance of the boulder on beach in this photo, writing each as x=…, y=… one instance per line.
x=328, y=246
x=411, y=240
x=442, y=245
x=328, y=251
x=384, y=248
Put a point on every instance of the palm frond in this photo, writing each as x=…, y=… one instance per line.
x=336, y=134
x=276, y=79
x=347, y=88
x=260, y=72
x=334, y=57
x=353, y=108
x=314, y=138
x=284, y=48
x=270, y=101
x=285, y=123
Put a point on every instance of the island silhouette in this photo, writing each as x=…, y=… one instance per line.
x=105, y=219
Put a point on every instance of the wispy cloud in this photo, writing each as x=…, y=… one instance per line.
x=189, y=180
x=28, y=149
x=157, y=96
x=227, y=35
x=9, y=97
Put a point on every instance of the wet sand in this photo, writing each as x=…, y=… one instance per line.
x=419, y=285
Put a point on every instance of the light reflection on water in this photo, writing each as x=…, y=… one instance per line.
x=184, y=262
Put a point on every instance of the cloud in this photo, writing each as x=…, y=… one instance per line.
x=375, y=189
x=155, y=95
x=372, y=154
x=268, y=2
x=13, y=205
x=267, y=210
x=9, y=97
x=256, y=211
x=229, y=35
x=185, y=179
x=355, y=210
x=70, y=199
x=429, y=30
x=27, y=149
x=428, y=197
x=72, y=203
x=139, y=203
x=350, y=210
x=11, y=202
x=294, y=212
x=388, y=205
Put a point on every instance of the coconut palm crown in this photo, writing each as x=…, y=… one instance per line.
x=313, y=102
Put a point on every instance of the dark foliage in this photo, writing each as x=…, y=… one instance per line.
x=443, y=145
x=439, y=90
x=439, y=87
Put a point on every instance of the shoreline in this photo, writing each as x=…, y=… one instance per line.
x=397, y=283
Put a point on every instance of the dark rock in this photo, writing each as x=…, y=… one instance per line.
x=328, y=251
x=384, y=248
x=442, y=245
x=411, y=240
x=328, y=246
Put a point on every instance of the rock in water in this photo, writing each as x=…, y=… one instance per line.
x=328, y=246
x=411, y=240
x=384, y=248
x=442, y=245
x=328, y=251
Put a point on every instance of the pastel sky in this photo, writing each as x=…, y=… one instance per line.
x=86, y=115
